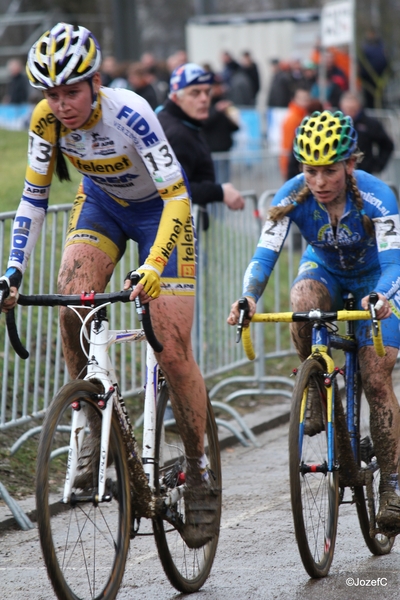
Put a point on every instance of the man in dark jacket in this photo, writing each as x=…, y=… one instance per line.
x=373, y=141
x=181, y=117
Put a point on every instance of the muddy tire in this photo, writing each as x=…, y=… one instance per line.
x=313, y=484
x=187, y=569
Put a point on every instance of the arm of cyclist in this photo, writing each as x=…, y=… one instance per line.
x=32, y=209
x=169, y=180
x=387, y=235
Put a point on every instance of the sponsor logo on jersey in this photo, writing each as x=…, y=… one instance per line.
x=102, y=166
x=371, y=199
x=22, y=227
x=178, y=288
x=307, y=266
x=173, y=190
x=75, y=143
x=82, y=237
x=129, y=119
x=40, y=127
x=35, y=192
x=102, y=145
x=187, y=251
x=121, y=181
x=166, y=250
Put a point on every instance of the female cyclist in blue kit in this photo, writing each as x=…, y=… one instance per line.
x=351, y=223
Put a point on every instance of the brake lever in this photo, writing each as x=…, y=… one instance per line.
x=4, y=292
x=134, y=278
x=243, y=314
x=373, y=299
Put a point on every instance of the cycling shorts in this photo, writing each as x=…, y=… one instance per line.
x=339, y=287
x=102, y=222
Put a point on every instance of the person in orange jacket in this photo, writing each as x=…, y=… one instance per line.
x=297, y=110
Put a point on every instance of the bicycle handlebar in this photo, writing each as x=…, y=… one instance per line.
x=90, y=300
x=314, y=315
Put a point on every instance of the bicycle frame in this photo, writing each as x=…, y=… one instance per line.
x=100, y=368
x=322, y=341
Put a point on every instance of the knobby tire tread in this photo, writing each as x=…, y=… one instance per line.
x=315, y=568
x=204, y=557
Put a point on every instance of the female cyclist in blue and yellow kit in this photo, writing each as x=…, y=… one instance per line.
x=132, y=188
x=350, y=220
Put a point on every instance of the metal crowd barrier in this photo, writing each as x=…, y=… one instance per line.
x=224, y=250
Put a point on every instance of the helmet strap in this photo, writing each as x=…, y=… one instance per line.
x=94, y=95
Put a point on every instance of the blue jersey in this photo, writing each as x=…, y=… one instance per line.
x=345, y=250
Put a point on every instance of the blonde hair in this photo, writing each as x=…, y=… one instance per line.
x=277, y=213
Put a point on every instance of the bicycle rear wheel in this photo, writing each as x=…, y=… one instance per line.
x=367, y=502
x=85, y=542
x=314, y=488
x=186, y=568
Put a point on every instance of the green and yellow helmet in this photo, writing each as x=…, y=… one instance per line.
x=325, y=138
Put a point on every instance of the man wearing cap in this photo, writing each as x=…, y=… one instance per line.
x=182, y=116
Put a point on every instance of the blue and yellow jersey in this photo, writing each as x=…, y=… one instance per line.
x=347, y=250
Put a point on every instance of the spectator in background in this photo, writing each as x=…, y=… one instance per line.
x=218, y=128
x=108, y=70
x=230, y=66
x=374, y=69
x=297, y=110
x=373, y=141
x=251, y=70
x=336, y=82
x=294, y=167
x=280, y=88
x=17, y=91
x=175, y=60
x=310, y=73
x=158, y=73
x=240, y=90
x=139, y=82
x=182, y=116
x=296, y=73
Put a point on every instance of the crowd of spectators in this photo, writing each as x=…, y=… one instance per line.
x=149, y=77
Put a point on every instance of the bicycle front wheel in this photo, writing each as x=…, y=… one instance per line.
x=367, y=497
x=85, y=541
x=313, y=486
x=186, y=568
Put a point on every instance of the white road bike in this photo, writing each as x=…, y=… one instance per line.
x=85, y=533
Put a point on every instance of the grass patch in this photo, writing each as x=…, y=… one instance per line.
x=13, y=150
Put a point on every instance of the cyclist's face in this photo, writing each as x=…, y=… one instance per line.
x=72, y=104
x=328, y=183
x=195, y=101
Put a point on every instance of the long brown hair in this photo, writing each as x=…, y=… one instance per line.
x=61, y=165
x=277, y=213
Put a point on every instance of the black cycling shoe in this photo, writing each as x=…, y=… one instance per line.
x=388, y=518
x=201, y=509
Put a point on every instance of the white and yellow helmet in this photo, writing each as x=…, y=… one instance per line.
x=63, y=55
